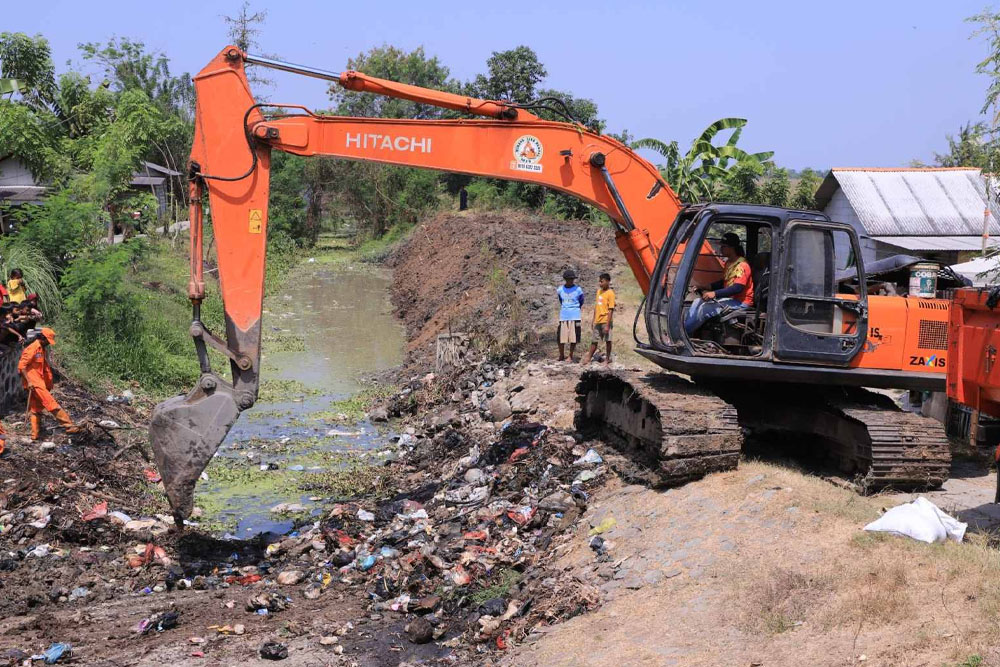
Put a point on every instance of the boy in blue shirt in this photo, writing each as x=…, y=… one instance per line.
x=570, y=303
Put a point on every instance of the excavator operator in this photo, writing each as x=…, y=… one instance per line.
x=36, y=376
x=735, y=290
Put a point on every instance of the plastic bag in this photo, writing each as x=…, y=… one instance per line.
x=922, y=520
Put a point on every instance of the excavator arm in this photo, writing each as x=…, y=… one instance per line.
x=230, y=159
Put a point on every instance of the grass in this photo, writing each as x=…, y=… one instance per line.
x=157, y=358
x=355, y=480
x=265, y=415
x=504, y=334
x=338, y=251
x=502, y=581
x=231, y=482
x=822, y=573
x=775, y=602
x=274, y=390
x=161, y=361
x=376, y=251
x=282, y=341
x=355, y=408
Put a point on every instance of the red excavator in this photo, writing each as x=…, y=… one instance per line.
x=822, y=327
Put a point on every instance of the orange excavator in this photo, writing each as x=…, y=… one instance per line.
x=797, y=361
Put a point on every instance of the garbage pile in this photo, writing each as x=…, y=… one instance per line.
x=456, y=555
x=485, y=486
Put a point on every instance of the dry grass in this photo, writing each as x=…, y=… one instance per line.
x=870, y=594
x=798, y=582
x=839, y=578
x=778, y=600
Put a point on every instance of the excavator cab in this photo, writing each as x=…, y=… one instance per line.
x=809, y=301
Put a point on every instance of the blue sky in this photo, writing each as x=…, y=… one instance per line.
x=849, y=83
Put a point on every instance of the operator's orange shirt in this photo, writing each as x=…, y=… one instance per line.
x=738, y=272
x=34, y=368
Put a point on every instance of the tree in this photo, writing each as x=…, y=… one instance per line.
x=776, y=187
x=804, y=196
x=388, y=62
x=972, y=147
x=989, y=27
x=27, y=136
x=29, y=128
x=127, y=65
x=701, y=172
x=512, y=76
x=291, y=196
x=742, y=184
x=375, y=196
x=80, y=110
x=60, y=227
x=580, y=109
x=244, y=30
x=29, y=60
x=122, y=144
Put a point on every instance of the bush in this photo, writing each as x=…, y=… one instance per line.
x=288, y=205
x=117, y=331
x=500, y=332
x=493, y=195
x=60, y=226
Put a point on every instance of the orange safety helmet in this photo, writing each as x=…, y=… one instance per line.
x=49, y=334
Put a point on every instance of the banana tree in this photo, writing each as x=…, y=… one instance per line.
x=698, y=174
x=10, y=86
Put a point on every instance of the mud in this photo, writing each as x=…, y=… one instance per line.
x=446, y=276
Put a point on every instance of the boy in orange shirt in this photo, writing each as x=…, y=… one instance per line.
x=604, y=313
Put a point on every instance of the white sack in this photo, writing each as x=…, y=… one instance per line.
x=921, y=520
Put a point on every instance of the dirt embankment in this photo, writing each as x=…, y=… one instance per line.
x=456, y=269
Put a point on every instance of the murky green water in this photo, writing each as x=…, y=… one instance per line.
x=344, y=321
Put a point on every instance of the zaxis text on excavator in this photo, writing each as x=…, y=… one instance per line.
x=820, y=329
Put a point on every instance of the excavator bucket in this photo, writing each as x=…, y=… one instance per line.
x=185, y=433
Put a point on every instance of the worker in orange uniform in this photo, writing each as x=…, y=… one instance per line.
x=36, y=376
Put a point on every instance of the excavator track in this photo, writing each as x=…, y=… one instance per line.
x=904, y=450
x=862, y=432
x=667, y=431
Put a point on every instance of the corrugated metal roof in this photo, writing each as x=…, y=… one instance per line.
x=974, y=243
x=146, y=180
x=913, y=202
x=21, y=194
x=159, y=168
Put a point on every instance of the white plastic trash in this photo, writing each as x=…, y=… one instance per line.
x=922, y=520
x=591, y=457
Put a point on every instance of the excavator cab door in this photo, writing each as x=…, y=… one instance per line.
x=821, y=315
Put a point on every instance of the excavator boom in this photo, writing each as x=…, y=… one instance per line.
x=230, y=159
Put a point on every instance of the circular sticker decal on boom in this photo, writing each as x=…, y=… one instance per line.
x=527, y=154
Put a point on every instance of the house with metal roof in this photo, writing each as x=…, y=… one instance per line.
x=937, y=213
x=18, y=186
